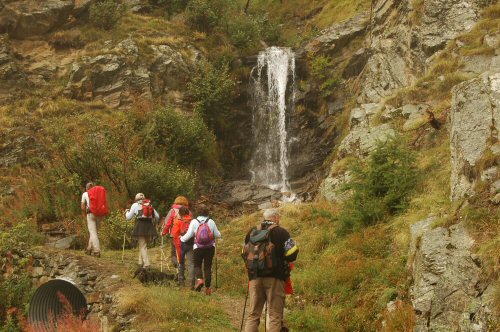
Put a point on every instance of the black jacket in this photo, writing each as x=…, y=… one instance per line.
x=285, y=249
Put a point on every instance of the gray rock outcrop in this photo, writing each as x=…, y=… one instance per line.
x=474, y=118
x=11, y=75
x=448, y=291
x=119, y=74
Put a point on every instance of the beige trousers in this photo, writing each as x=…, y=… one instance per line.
x=93, y=224
x=143, y=251
x=261, y=290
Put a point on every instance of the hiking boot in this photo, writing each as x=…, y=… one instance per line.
x=97, y=254
x=199, y=285
x=88, y=252
x=208, y=291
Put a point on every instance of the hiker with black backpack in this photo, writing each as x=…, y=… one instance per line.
x=94, y=207
x=144, y=229
x=267, y=253
x=204, y=230
x=184, y=249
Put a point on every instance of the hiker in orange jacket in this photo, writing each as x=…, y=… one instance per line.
x=169, y=223
x=184, y=250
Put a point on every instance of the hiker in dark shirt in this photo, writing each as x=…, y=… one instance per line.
x=268, y=272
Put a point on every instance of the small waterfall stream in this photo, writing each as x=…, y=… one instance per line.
x=272, y=80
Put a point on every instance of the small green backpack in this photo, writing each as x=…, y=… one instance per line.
x=259, y=254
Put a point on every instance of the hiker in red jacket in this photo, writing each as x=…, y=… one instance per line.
x=169, y=223
x=93, y=247
x=184, y=250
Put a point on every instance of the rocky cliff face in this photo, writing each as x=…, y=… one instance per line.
x=399, y=46
x=474, y=119
x=449, y=290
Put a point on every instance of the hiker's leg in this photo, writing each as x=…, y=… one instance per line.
x=275, y=292
x=143, y=251
x=92, y=226
x=140, y=242
x=97, y=244
x=207, y=265
x=145, y=256
x=173, y=253
x=257, y=297
x=198, y=259
x=182, y=265
x=190, y=263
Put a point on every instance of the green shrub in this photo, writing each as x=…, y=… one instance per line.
x=202, y=15
x=15, y=292
x=323, y=75
x=161, y=182
x=23, y=235
x=184, y=139
x=243, y=31
x=212, y=90
x=105, y=14
x=170, y=6
x=113, y=228
x=381, y=186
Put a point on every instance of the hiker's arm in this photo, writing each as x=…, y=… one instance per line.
x=84, y=205
x=157, y=216
x=169, y=222
x=84, y=209
x=217, y=234
x=132, y=212
x=190, y=232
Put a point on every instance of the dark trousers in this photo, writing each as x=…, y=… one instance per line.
x=173, y=253
x=205, y=256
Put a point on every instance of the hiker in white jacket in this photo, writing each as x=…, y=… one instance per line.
x=144, y=229
x=204, y=230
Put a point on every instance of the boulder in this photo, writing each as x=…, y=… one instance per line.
x=474, y=117
x=361, y=140
x=449, y=291
x=23, y=19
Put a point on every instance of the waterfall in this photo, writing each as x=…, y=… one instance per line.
x=272, y=97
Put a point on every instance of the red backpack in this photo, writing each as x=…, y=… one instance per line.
x=146, y=210
x=98, y=201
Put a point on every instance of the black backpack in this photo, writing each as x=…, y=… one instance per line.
x=259, y=253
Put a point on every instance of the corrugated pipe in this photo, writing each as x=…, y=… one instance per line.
x=46, y=303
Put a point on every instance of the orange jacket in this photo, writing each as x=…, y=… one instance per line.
x=176, y=232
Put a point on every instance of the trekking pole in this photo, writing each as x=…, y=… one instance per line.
x=123, y=246
x=216, y=268
x=161, y=255
x=265, y=319
x=244, y=309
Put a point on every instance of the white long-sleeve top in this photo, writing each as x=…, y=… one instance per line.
x=193, y=228
x=134, y=211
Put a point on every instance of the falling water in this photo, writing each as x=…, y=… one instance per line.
x=272, y=96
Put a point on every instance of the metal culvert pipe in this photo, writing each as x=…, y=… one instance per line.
x=45, y=305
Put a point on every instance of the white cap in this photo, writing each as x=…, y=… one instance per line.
x=139, y=196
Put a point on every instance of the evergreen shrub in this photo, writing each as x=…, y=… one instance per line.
x=381, y=186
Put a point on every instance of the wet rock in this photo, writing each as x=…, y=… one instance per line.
x=474, y=116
